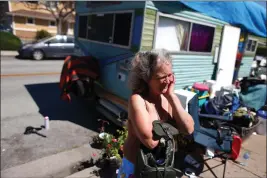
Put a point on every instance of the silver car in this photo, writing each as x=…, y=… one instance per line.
x=58, y=46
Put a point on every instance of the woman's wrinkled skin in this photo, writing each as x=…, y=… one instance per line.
x=152, y=83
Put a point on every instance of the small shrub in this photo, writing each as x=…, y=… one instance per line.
x=42, y=34
x=9, y=41
x=113, y=146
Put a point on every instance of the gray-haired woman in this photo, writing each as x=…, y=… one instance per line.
x=153, y=98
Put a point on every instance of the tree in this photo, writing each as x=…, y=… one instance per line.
x=3, y=10
x=61, y=11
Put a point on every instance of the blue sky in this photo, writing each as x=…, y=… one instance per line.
x=262, y=3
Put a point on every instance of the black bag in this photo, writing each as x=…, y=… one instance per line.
x=218, y=104
x=159, y=162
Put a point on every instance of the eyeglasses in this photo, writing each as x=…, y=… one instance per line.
x=165, y=77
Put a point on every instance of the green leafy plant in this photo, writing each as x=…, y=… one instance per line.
x=42, y=34
x=113, y=146
x=8, y=41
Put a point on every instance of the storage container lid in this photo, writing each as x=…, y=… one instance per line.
x=201, y=86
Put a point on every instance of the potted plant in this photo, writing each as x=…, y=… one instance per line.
x=113, y=147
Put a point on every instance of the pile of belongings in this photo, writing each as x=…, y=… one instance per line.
x=253, y=92
x=258, y=68
x=232, y=110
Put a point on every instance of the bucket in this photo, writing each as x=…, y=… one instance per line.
x=202, y=90
x=236, y=147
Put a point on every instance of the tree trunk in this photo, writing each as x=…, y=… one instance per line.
x=59, y=26
x=64, y=28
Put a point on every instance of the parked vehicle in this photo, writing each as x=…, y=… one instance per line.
x=205, y=44
x=58, y=46
x=5, y=28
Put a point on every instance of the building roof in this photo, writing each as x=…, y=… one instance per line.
x=36, y=14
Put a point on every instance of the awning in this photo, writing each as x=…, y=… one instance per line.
x=36, y=14
x=249, y=16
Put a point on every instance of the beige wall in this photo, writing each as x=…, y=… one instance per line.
x=26, y=35
x=21, y=23
x=27, y=32
x=21, y=6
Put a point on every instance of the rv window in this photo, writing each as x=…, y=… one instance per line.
x=82, y=26
x=201, y=38
x=179, y=35
x=122, y=29
x=107, y=28
x=251, y=45
x=172, y=34
x=100, y=27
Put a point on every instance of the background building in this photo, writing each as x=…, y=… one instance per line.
x=26, y=21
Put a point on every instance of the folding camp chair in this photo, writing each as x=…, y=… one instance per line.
x=219, y=139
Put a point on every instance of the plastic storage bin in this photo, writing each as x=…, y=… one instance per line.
x=202, y=91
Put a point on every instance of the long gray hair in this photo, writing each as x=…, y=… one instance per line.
x=142, y=67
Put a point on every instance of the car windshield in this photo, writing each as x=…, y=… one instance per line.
x=37, y=41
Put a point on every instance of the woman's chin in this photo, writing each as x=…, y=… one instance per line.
x=164, y=90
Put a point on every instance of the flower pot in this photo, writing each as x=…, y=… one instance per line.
x=114, y=162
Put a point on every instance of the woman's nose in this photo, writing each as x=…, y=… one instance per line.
x=167, y=80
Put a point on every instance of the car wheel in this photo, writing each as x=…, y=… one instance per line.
x=38, y=55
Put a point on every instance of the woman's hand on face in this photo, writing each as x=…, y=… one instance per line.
x=170, y=91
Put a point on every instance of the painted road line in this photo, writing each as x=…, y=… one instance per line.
x=30, y=74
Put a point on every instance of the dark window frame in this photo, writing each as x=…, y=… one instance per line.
x=128, y=46
x=52, y=21
x=249, y=45
x=27, y=21
x=82, y=29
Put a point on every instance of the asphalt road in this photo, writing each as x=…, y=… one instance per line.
x=29, y=92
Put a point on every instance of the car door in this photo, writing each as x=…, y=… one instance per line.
x=54, y=47
x=69, y=46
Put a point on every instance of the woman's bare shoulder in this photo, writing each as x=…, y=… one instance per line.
x=136, y=98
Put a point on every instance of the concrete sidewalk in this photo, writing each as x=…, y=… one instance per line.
x=9, y=53
x=57, y=165
x=256, y=146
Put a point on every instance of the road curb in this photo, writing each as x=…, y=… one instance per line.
x=9, y=53
x=85, y=173
x=58, y=165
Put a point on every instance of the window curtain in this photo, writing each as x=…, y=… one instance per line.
x=166, y=35
x=182, y=33
x=201, y=38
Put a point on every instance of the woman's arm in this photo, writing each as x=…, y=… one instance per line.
x=183, y=119
x=140, y=118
